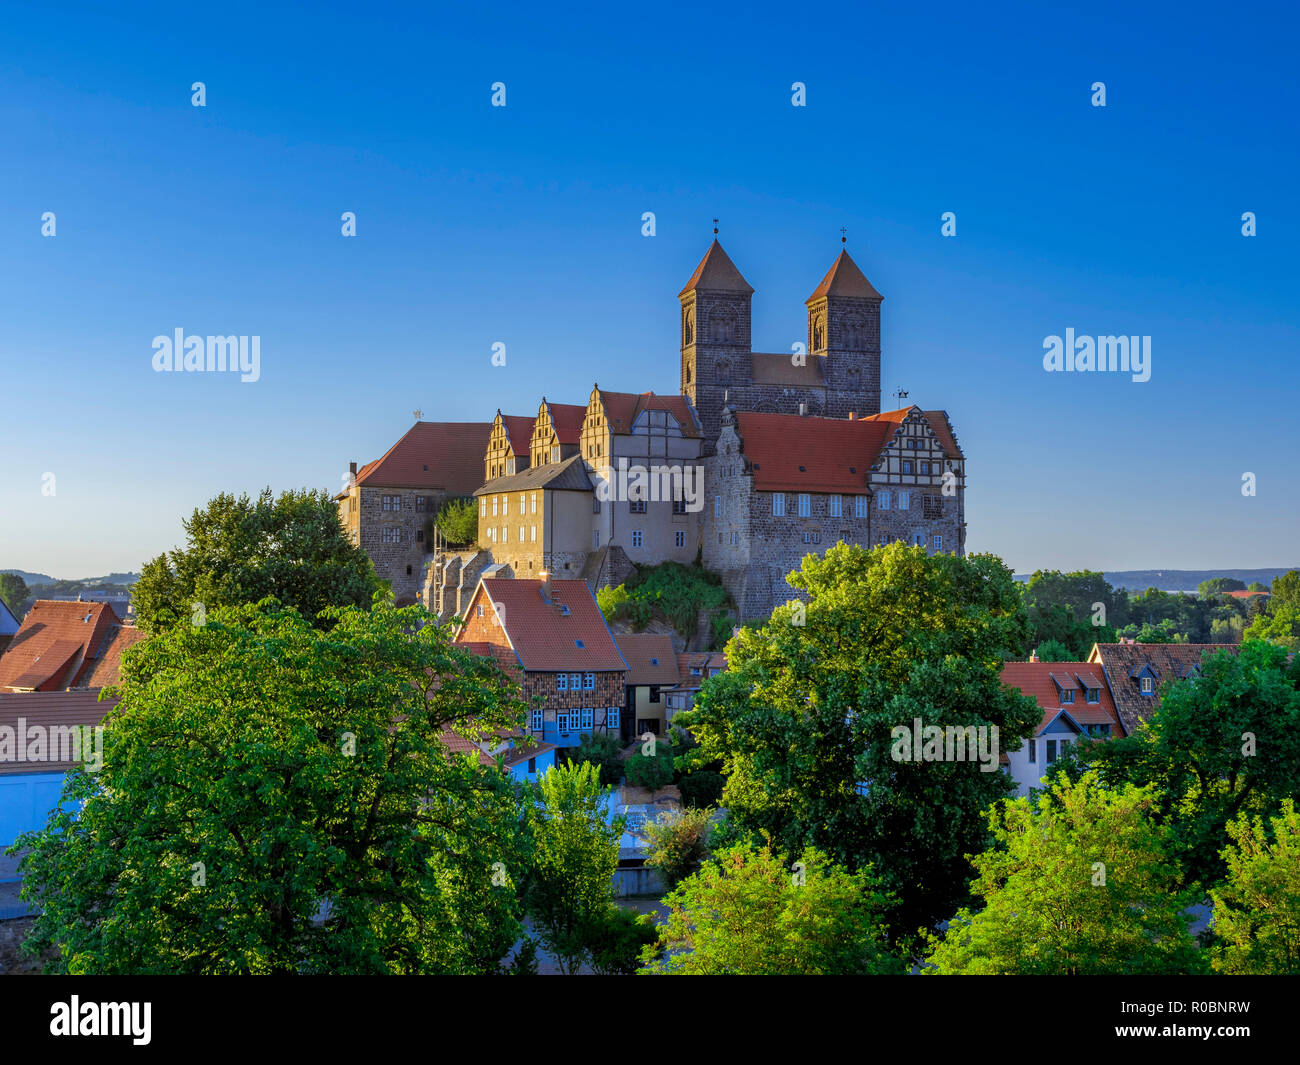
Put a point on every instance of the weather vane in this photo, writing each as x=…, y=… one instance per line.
x=900, y=395
x=418, y=414
x=844, y=235
x=715, y=227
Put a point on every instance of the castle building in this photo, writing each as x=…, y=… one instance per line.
x=761, y=459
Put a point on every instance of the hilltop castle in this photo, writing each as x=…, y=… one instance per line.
x=795, y=450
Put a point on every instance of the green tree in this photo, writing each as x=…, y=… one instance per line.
x=1280, y=627
x=1286, y=590
x=1074, y=609
x=1219, y=586
x=1222, y=744
x=604, y=751
x=1082, y=885
x=575, y=852
x=746, y=913
x=617, y=939
x=457, y=521
x=291, y=548
x=679, y=842
x=258, y=770
x=13, y=590
x=1257, y=907
x=1054, y=651
x=803, y=718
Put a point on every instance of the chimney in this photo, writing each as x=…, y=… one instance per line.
x=803, y=410
x=1033, y=656
x=546, y=585
x=352, y=468
x=853, y=416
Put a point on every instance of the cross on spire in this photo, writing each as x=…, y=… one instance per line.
x=715, y=227
x=844, y=235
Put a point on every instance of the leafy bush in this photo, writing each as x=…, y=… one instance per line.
x=605, y=752
x=701, y=788
x=679, y=843
x=672, y=591
x=612, y=601
x=651, y=771
x=458, y=521
x=616, y=940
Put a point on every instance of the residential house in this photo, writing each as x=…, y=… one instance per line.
x=694, y=668
x=1075, y=699
x=1135, y=672
x=62, y=645
x=9, y=624
x=572, y=670
x=651, y=671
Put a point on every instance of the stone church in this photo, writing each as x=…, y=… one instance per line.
x=795, y=451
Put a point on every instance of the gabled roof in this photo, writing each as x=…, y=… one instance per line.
x=50, y=710
x=519, y=432
x=506, y=659
x=845, y=279
x=458, y=744
x=1046, y=680
x=106, y=669
x=436, y=456
x=623, y=408
x=570, y=475
x=650, y=657
x=704, y=661
x=716, y=273
x=1123, y=664
x=546, y=636
x=55, y=645
x=790, y=453
x=566, y=420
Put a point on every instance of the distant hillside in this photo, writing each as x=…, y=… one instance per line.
x=1182, y=580
x=33, y=579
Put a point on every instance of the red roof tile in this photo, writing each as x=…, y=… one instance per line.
x=459, y=745
x=845, y=279
x=650, y=657
x=519, y=431
x=106, y=670
x=567, y=419
x=716, y=273
x=545, y=637
x=836, y=455
x=1036, y=679
x=438, y=456
x=55, y=645
x=623, y=408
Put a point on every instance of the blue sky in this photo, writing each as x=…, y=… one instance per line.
x=522, y=225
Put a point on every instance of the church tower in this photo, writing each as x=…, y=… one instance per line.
x=715, y=336
x=844, y=332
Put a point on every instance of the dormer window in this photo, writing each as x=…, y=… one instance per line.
x=1067, y=696
x=1093, y=695
x=1147, y=685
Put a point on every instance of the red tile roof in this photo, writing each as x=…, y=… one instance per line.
x=567, y=419
x=437, y=456
x=506, y=659
x=106, y=669
x=1245, y=594
x=845, y=279
x=716, y=273
x=459, y=745
x=1039, y=679
x=650, y=657
x=623, y=408
x=545, y=637
x=836, y=455
x=704, y=661
x=49, y=710
x=519, y=431
x=56, y=645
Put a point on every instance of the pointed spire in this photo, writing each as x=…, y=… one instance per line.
x=845, y=279
x=716, y=273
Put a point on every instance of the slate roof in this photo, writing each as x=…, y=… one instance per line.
x=49, y=710
x=544, y=636
x=768, y=368
x=716, y=273
x=650, y=657
x=1044, y=681
x=567, y=476
x=1121, y=663
x=56, y=645
x=435, y=456
x=845, y=279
